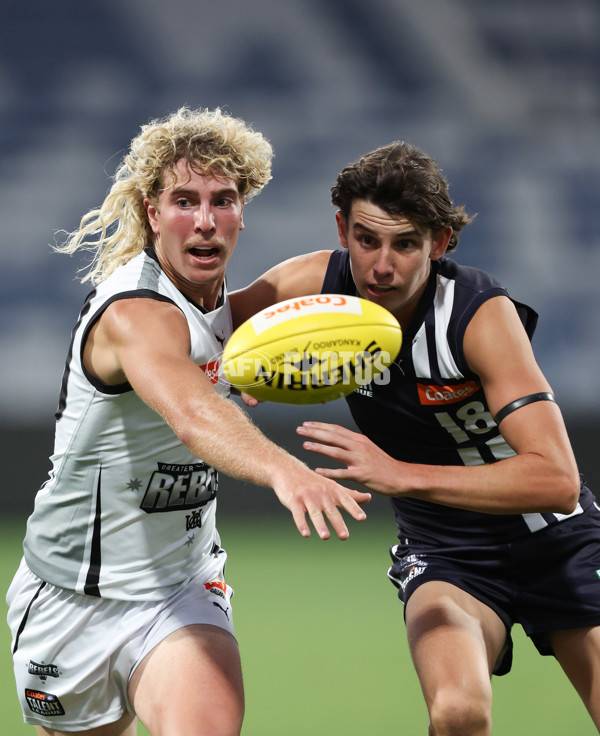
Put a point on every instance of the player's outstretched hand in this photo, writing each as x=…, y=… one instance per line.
x=365, y=462
x=305, y=492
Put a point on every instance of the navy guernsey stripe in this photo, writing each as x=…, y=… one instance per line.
x=62, y=401
x=26, y=616
x=92, y=582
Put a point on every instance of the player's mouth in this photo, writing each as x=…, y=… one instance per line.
x=204, y=252
x=379, y=289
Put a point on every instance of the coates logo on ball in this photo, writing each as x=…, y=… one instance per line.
x=312, y=349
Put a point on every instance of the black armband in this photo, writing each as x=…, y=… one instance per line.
x=518, y=403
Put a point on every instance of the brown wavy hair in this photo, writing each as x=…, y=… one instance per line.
x=404, y=181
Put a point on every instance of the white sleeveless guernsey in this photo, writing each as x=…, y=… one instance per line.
x=127, y=512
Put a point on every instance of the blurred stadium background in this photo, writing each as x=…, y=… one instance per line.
x=506, y=95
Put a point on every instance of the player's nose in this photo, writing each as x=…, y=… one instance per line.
x=383, y=265
x=204, y=218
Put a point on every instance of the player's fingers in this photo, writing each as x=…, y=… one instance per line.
x=299, y=517
x=325, y=427
x=337, y=522
x=352, y=473
x=319, y=523
x=335, y=473
x=332, y=451
x=350, y=504
x=360, y=496
x=322, y=426
x=332, y=434
x=249, y=400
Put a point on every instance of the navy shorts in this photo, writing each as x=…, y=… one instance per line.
x=546, y=581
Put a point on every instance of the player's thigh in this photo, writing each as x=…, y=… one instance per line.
x=453, y=637
x=126, y=726
x=578, y=653
x=191, y=681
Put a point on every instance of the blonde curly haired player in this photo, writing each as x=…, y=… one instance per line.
x=207, y=140
x=120, y=609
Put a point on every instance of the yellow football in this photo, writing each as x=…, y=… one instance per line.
x=312, y=349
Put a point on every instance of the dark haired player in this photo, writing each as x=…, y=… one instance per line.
x=495, y=524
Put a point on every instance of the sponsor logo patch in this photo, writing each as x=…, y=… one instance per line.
x=432, y=395
x=43, y=704
x=177, y=487
x=212, y=370
x=43, y=671
x=308, y=305
x=412, y=566
x=193, y=520
x=225, y=610
x=365, y=391
x=216, y=587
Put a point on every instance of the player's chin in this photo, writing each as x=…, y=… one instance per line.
x=201, y=273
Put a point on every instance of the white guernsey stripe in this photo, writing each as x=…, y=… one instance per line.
x=562, y=517
x=535, y=522
x=420, y=354
x=443, y=304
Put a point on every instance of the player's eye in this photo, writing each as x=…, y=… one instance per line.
x=366, y=240
x=225, y=200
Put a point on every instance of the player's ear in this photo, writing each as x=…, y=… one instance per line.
x=441, y=238
x=342, y=229
x=151, y=210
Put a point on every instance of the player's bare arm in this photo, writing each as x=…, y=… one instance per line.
x=541, y=477
x=498, y=350
x=297, y=276
x=146, y=342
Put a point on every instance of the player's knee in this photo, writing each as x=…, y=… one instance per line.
x=457, y=713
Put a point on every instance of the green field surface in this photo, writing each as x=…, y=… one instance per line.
x=323, y=643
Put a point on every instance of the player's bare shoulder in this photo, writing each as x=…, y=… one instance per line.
x=127, y=325
x=295, y=277
x=302, y=274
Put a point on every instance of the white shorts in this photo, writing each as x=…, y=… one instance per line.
x=74, y=654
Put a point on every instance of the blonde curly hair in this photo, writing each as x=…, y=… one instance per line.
x=208, y=140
